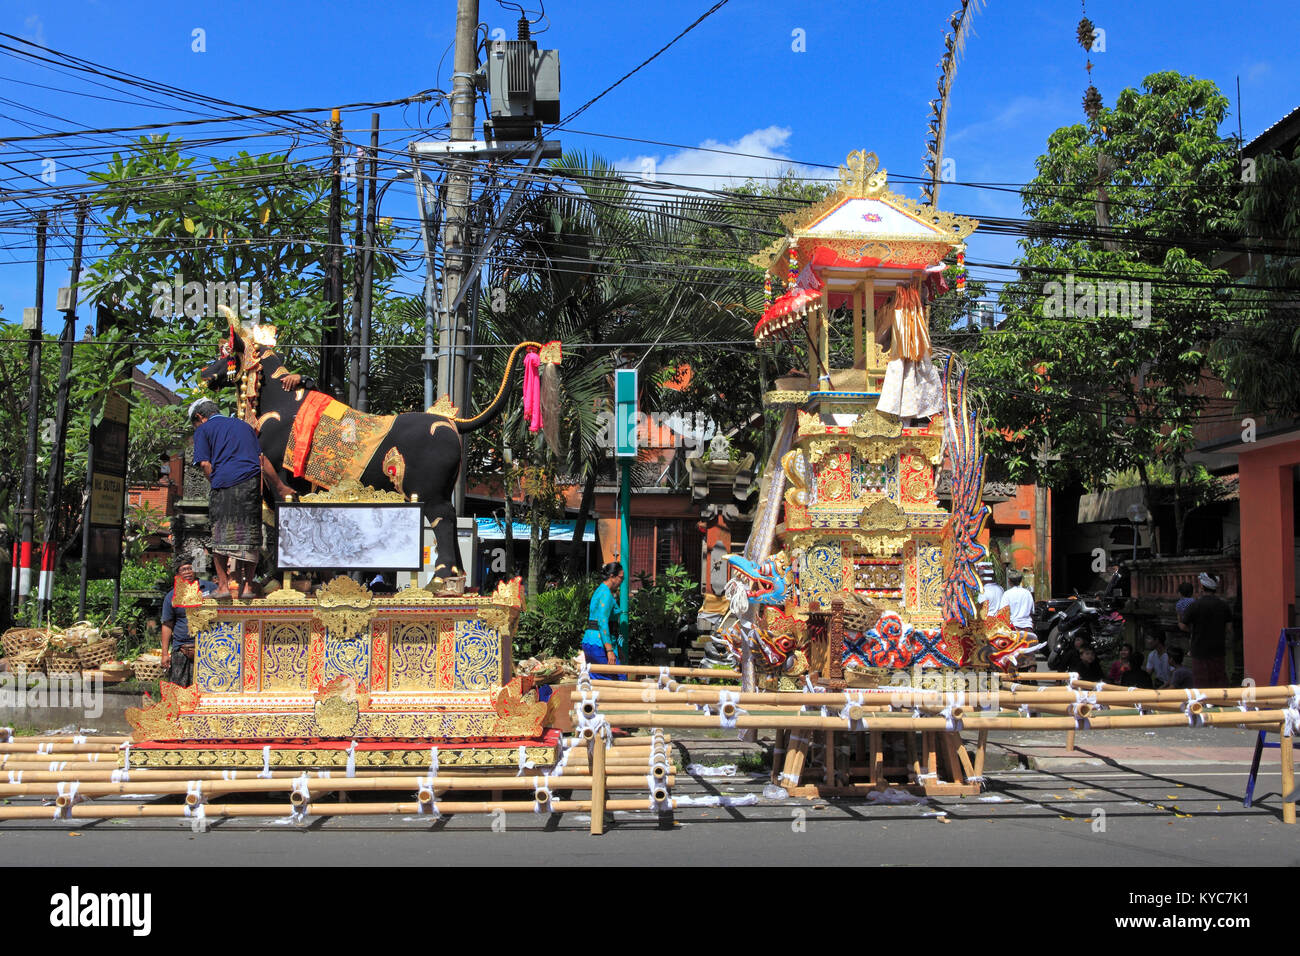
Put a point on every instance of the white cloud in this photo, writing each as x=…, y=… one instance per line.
x=35, y=30
x=714, y=164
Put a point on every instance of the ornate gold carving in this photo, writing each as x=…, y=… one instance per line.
x=810, y=424
x=883, y=545
x=875, y=424
x=518, y=716
x=343, y=607
x=350, y=491
x=882, y=515
x=444, y=407
x=269, y=416
x=188, y=594
x=161, y=721
x=861, y=175
x=338, y=707
x=394, y=465
x=785, y=397
x=551, y=353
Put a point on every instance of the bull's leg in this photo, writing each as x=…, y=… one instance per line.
x=442, y=515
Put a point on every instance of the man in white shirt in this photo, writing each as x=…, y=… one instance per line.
x=990, y=591
x=1021, y=602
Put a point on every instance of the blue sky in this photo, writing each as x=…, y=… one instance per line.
x=736, y=82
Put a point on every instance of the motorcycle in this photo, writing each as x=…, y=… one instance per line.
x=1100, y=626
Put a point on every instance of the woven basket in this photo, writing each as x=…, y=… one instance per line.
x=101, y=652
x=27, y=662
x=19, y=639
x=62, y=665
x=148, y=670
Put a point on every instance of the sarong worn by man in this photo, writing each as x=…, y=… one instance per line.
x=228, y=451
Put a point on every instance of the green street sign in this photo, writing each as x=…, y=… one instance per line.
x=625, y=393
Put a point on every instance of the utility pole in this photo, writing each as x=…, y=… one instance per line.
x=45, y=590
x=1042, y=570
x=368, y=280
x=358, y=281
x=331, y=362
x=28, y=511
x=455, y=232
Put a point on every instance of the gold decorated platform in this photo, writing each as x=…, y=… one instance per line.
x=344, y=663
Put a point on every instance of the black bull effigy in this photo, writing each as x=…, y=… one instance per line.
x=315, y=441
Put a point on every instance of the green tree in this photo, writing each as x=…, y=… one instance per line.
x=1077, y=383
x=1259, y=356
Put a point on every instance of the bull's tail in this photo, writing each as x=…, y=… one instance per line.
x=498, y=402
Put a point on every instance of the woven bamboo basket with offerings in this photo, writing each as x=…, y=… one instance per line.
x=98, y=653
x=19, y=639
x=148, y=667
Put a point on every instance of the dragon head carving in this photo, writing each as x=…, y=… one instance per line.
x=765, y=582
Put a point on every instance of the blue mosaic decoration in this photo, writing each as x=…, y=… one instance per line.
x=347, y=658
x=218, y=657
x=478, y=656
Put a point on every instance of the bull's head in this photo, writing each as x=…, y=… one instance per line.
x=243, y=343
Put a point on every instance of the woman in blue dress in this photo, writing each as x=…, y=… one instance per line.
x=597, y=642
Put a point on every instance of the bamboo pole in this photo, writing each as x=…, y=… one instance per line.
x=93, y=811
x=598, y=784
x=906, y=698
x=641, y=671
x=975, y=721
x=1288, y=779
x=29, y=745
x=320, y=785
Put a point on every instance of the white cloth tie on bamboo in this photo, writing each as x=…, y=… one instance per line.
x=126, y=755
x=266, y=763
x=950, y=723
x=433, y=761
x=57, y=765
x=322, y=773
x=524, y=762
x=845, y=714
x=1193, y=696
x=664, y=678
x=79, y=738
x=194, y=789
x=726, y=697
x=300, y=788
x=543, y=791
x=352, y=759
x=1291, y=718
x=431, y=808
x=663, y=805
x=45, y=748
x=65, y=811
x=229, y=774
x=1024, y=710
x=16, y=776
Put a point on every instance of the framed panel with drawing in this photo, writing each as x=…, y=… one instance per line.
x=349, y=537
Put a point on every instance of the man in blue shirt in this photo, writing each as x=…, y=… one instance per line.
x=177, y=641
x=228, y=452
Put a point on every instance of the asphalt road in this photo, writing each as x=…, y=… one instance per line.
x=1162, y=814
